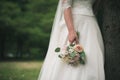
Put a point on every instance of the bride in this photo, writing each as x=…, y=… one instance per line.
x=75, y=16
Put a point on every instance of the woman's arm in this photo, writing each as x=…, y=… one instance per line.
x=69, y=22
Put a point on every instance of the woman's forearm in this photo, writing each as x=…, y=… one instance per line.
x=69, y=20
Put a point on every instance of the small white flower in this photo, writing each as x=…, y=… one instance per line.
x=71, y=50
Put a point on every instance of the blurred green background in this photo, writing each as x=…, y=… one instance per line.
x=25, y=27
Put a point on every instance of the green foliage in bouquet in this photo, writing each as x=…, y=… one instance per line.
x=73, y=54
x=57, y=49
x=82, y=58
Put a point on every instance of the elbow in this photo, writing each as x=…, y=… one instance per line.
x=67, y=11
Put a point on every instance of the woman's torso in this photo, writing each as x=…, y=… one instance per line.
x=83, y=7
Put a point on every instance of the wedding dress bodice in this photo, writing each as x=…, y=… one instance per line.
x=83, y=7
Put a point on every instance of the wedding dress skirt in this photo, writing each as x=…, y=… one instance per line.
x=90, y=38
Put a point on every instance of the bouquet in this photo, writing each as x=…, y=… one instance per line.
x=72, y=54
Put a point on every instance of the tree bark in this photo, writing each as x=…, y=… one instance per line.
x=111, y=35
x=2, y=47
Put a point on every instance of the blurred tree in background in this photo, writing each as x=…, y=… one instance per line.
x=25, y=27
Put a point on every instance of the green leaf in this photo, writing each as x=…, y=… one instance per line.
x=59, y=56
x=82, y=54
x=57, y=49
x=68, y=48
x=82, y=62
x=83, y=57
x=72, y=44
x=78, y=34
x=72, y=54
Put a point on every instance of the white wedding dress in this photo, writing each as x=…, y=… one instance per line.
x=90, y=38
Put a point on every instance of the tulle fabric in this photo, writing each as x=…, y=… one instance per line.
x=90, y=38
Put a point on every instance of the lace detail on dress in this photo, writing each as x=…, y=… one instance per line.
x=83, y=7
x=67, y=3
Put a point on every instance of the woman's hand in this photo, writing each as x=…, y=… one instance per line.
x=72, y=36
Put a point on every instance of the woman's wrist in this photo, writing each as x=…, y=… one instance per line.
x=72, y=31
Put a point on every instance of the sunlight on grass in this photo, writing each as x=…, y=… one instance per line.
x=20, y=70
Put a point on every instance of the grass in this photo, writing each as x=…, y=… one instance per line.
x=20, y=70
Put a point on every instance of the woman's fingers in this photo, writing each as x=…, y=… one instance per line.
x=73, y=37
x=71, y=40
x=75, y=40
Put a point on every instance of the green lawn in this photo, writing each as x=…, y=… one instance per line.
x=20, y=70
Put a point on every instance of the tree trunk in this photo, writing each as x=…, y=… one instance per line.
x=111, y=35
x=2, y=48
x=19, y=48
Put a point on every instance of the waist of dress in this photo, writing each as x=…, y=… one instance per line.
x=83, y=11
